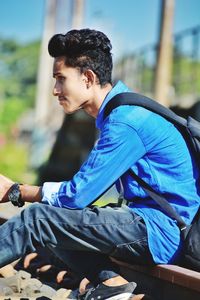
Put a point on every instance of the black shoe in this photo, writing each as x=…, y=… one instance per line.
x=104, y=292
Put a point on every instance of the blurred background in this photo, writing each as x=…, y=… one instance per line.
x=156, y=51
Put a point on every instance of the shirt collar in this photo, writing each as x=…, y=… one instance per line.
x=119, y=87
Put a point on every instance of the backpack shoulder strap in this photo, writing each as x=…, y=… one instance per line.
x=160, y=200
x=129, y=98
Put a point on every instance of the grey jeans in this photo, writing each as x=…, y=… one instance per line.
x=83, y=239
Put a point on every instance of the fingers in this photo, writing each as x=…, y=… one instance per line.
x=28, y=258
x=83, y=285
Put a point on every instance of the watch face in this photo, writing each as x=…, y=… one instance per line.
x=14, y=193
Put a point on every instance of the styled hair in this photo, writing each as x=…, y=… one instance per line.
x=85, y=49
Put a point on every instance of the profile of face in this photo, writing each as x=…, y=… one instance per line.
x=71, y=86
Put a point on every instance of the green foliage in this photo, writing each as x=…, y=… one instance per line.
x=13, y=163
x=186, y=75
x=18, y=70
x=18, y=74
x=147, y=79
x=8, y=46
x=10, y=111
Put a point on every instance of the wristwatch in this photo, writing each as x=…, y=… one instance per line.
x=14, y=195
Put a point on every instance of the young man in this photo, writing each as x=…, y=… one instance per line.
x=131, y=137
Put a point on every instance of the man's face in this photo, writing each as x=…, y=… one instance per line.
x=70, y=86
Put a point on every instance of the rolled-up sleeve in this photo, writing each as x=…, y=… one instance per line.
x=117, y=149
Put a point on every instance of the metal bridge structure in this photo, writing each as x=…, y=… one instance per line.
x=137, y=70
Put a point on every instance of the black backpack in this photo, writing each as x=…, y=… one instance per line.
x=190, y=129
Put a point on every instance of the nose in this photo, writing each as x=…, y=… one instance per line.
x=56, y=91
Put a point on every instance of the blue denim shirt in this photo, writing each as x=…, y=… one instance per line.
x=133, y=137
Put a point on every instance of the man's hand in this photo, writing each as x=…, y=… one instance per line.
x=5, y=184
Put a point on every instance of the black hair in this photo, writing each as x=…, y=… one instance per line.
x=85, y=49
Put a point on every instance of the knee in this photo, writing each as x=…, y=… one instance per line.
x=34, y=211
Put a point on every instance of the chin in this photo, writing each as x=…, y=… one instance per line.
x=70, y=111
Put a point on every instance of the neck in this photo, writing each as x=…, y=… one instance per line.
x=99, y=94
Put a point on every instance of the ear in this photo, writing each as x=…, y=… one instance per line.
x=90, y=78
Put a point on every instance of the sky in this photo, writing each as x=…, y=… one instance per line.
x=130, y=24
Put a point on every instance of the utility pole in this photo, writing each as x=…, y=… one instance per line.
x=48, y=114
x=78, y=13
x=164, y=54
x=44, y=81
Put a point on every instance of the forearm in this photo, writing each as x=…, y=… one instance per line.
x=31, y=193
x=109, y=159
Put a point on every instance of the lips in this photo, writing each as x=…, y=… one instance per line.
x=62, y=101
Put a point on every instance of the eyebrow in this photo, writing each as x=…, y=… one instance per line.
x=56, y=74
